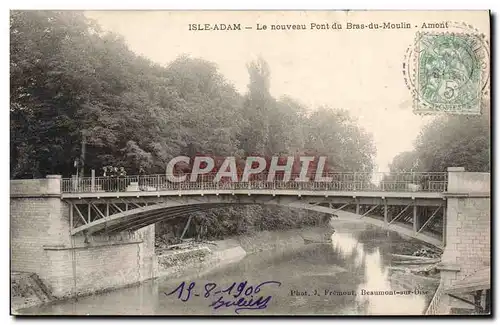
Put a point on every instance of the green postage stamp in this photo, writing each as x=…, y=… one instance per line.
x=451, y=73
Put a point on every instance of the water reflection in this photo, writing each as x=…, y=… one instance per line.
x=356, y=259
x=348, y=247
x=376, y=278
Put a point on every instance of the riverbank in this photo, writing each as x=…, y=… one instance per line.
x=209, y=259
x=207, y=256
x=201, y=258
x=211, y=256
x=27, y=290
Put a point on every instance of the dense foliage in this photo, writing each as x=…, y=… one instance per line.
x=73, y=83
x=450, y=141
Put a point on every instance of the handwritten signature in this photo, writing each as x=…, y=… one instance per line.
x=241, y=295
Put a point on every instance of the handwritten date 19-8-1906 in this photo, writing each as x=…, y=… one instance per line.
x=240, y=295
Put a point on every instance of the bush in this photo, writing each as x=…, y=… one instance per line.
x=220, y=223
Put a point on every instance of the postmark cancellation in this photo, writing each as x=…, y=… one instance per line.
x=450, y=72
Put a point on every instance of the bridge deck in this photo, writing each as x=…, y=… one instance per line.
x=332, y=182
x=317, y=193
x=114, y=204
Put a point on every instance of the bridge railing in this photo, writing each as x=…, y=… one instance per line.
x=433, y=307
x=390, y=182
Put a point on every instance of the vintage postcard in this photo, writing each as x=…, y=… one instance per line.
x=249, y=163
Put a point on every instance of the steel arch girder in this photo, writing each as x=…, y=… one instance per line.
x=124, y=216
x=173, y=208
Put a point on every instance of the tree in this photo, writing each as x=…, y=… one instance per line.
x=406, y=161
x=456, y=140
x=258, y=103
x=286, y=126
x=211, y=114
x=70, y=83
x=448, y=141
x=336, y=134
x=48, y=86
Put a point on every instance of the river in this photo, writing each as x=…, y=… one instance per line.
x=320, y=279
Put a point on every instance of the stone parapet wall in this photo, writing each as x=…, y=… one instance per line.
x=51, y=185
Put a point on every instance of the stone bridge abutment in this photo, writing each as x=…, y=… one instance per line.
x=466, y=260
x=41, y=243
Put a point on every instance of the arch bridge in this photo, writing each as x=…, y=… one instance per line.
x=413, y=204
x=52, y=219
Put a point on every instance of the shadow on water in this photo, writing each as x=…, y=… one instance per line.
x=324, y=279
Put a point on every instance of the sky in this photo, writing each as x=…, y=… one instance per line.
x=356, y=70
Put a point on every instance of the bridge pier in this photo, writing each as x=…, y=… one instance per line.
x=466, y=260
x=69, y=265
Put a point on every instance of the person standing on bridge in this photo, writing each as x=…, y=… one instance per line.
x=110, y=171
x=120, y=177
x=112, y=178
x=141, y=178
x=106, y=171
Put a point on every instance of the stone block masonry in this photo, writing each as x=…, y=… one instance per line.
x=468, y=224
x=468, y=228
x=468, y=236
x=41, y=243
